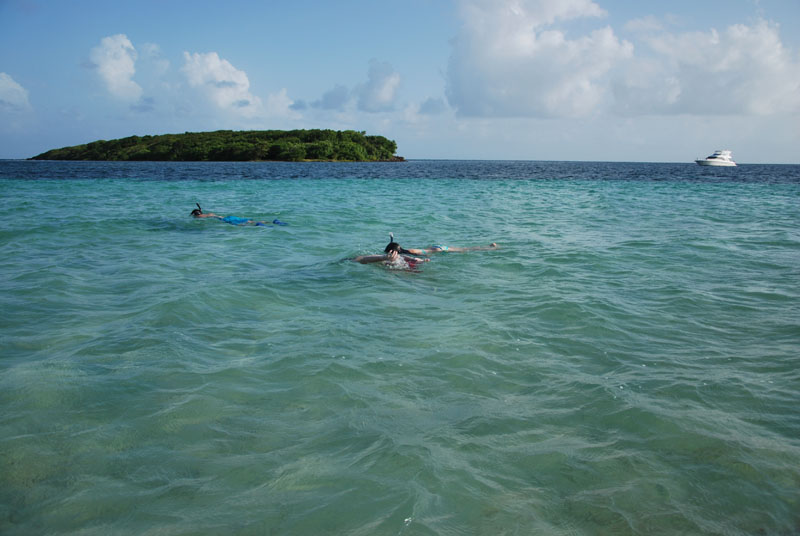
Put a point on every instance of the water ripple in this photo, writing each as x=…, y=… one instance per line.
x=625, y=362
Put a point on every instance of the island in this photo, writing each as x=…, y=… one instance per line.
x=237, y=146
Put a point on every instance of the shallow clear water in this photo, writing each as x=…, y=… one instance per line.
x=625, y=363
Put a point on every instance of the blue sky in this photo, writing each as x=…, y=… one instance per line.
x=616, y=80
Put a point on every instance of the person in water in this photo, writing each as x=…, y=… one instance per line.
x=233, y=220
x=437, y=248
x=392, y=257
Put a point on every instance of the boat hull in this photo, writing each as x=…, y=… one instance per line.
x=715, y=163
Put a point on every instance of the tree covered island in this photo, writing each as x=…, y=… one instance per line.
x=228, y=145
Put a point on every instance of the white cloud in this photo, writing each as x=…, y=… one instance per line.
x=431, y=110
x=378, y=93
x=514, y=58
x=13, y=97
x=741, y=70
x=334, y=99
x=226, y=86
x=115, y=60
x=507, y=61
x=280, y=105
x=152, y=53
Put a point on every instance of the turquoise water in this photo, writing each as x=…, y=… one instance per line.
x=626, y=362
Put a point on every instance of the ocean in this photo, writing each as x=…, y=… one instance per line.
x=626, y=361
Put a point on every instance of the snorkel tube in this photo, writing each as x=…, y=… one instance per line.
x=392, y=244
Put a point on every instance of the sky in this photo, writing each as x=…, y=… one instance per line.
x=603, y=80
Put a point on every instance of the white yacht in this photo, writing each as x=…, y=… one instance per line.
x=719, y=158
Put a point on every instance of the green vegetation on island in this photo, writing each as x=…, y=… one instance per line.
x=228, y=145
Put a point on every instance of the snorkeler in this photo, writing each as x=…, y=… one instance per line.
x=233, y=220
x=438, y=248
x=392, y=258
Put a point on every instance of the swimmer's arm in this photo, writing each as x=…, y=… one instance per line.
x=415, y=259
x=367, y=259
x=493, y=245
